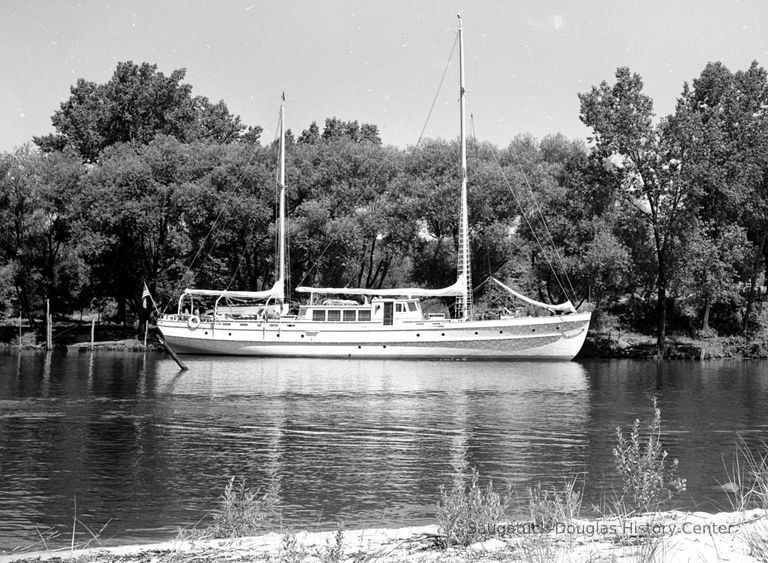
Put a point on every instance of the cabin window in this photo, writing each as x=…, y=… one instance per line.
x=411, y=306
x=364, y=315
x=318, y=315
x=399, y=308
x=334, y=315
x=349, y=316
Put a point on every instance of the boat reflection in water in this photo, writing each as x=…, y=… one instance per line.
x=368, y=442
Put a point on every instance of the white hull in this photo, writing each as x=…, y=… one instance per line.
x=530, y=338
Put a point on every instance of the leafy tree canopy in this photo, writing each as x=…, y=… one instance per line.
x=137, y=104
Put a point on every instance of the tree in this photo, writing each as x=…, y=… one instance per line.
x=38, y=254
x=648, y=159
x=137, y=104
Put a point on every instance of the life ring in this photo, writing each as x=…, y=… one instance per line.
x=193, y=322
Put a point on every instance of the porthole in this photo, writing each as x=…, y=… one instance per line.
x=476, y=333
x=501, y=332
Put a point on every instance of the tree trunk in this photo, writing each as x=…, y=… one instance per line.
x=661, y=307
x=121, y=309
x=753, y=280
x=705, y=320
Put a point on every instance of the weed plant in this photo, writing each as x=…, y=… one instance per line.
x=648, y=480
x=467, y=513
x=242, y=511
x=548, y=507
x=334, y=548
x=291, y=551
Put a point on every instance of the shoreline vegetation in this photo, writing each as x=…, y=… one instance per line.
x=74, y=337
x=476, y=522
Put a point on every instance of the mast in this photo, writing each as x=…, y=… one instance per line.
x=463, y=303
x=281, y=227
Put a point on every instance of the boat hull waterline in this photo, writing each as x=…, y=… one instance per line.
x=537, y=338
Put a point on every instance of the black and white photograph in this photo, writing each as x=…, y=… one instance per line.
x=398, y=281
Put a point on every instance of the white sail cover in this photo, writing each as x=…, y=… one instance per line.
x=454, y=290
x=566, y=307
x=276, y=292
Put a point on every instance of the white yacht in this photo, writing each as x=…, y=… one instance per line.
x=370, y=323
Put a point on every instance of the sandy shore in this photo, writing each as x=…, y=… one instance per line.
x=666, y=536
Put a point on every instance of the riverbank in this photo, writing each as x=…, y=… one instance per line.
x=664, y=536
x=75, y=337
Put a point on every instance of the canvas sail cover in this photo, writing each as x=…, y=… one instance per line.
x=454, y=290
x=566, y=307
x=277, y=292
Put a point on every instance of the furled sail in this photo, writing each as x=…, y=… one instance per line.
x=566, y=307
x=277, y=291
x=454, y=290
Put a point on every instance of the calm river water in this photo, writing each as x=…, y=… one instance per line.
x=127, y=440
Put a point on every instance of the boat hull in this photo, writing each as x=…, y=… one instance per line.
x=539, y=338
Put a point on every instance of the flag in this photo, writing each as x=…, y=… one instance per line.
x=147, y=295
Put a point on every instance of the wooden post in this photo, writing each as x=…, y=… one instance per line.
x=19, y=327
x=93, y=331
x=146, y=330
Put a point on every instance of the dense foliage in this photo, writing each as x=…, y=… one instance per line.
x=658, y=223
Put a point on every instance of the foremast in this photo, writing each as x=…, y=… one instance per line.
x=464, y=302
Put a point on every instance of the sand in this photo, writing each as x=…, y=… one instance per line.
x=663, y=536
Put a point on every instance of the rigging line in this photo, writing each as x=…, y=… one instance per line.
x=546, y=229
x=541, y=215
x=242, y=256
x=216, y=225
x=384, y=161
x=530, y=227
x=439, y=87
x=199, y=250
x=253, y=223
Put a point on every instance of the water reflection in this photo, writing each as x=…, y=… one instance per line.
x=369, y=442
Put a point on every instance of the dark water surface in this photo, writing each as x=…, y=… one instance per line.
x=128, y=441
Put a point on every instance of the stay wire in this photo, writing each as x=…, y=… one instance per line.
x=217, y=225
x=439, y=87
x=525, y=217
x=253, y=223
x=387, y=159
x=560, y=260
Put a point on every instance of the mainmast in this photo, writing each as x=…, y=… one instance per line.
x=463, y=303
x=281, y=226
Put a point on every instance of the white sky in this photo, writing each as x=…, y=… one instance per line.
x=374, y=61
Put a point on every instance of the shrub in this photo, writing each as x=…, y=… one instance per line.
x=242, y=511
x=642, y=465
x=468, y=513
